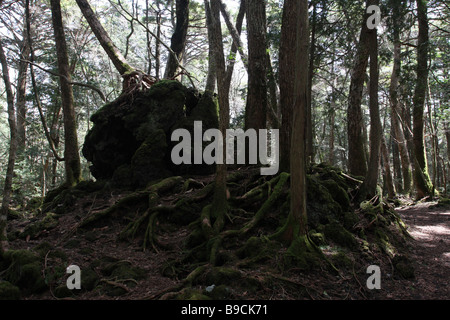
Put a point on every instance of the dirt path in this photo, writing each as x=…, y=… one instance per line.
x=430, y=250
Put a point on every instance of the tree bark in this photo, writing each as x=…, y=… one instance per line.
x=256, y=109
x=357, y=161
x=370, y=182
x=178, y=41
x=71, y=154
x=286, y=80
x=422, y=180
x=220, y=205
x=7, y=189
x=297, y=219
x=399, y=135
x=102, y=36
x=21, y=92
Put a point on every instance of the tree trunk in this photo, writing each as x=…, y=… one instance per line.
x=422, y=180
x=387, y=169
x=297, y=220
x=399, y=136
x=286, y=80
x=370, y=182
x=21, y=93
x=7, y=189
x=357, y=162
x=220, y=206
x=256, y=109
x=102, y=36
x=178, y=41
x=71, y=154
x=309, y=119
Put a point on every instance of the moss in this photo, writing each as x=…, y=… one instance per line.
x=338, y=234
x=9, y=291
x=383, y=242
x=301, y=254
x=34, y=229
x=341, y=260
x=318, y=238
x=25, y=271
x=222, y=276
x=320, y=203
x=89, y=279
x=221, y=292
x=338, y=193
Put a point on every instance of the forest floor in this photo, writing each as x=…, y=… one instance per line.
x=97, y=248
x=429, y=225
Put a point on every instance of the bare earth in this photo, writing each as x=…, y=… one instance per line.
x=430, y=251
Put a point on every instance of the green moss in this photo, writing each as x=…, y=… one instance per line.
x=34, y=229
x=89, y=279
x=338, y=234
x=301, y=254
x=223, y=275
x=320, y=203
x=25, y=271
x=9, y=291
x=338, y=193
x=383, y=242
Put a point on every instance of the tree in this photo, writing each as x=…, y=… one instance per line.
x=256, y=109
x=357, y=162
x=178, y=42
x=71, y=154
x=397, y=130
x=219, y=206
x=370, y=182
x=421, y=177
x=287, y=79
x=296, y=225
x=102, y=36
x=7, y=189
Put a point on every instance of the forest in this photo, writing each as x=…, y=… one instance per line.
x=224, y=150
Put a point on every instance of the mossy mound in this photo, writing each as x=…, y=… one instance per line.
x=130, y=141
x=8, y=291
x=23, y=268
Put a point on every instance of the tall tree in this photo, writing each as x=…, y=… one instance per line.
x=296, y=226
x=422, y=180
x=370, y=182
x=71, y=154
x=256, y=109
x=116, y=57
x=178, y=41
x=21, y=91
x=7, y=189
x=357, y=161
x=286, y=79
x=396, y=121
x=219, y=205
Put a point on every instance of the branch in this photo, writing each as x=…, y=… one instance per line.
x=158, y=39
x=90, y=86
x=33, y=81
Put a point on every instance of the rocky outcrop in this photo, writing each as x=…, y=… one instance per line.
x=130, y=141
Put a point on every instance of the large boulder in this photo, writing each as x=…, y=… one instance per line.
x=130, y=141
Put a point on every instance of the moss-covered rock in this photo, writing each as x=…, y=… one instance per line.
x=34, y=229
x=8, y=291
x=24, y=270
x=320, y=204
x=132, y=134
x=338, y=234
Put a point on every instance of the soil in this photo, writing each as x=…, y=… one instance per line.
x=428, y=249
x=429, y=226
